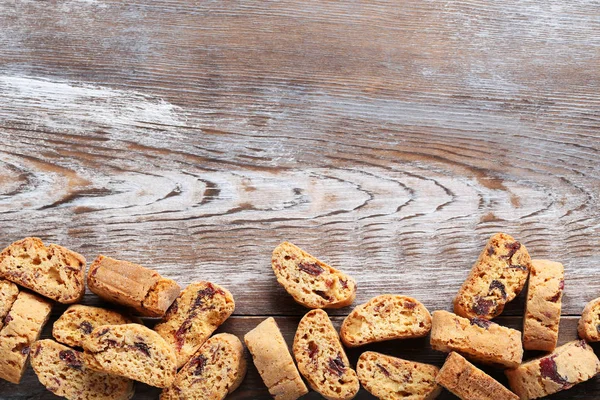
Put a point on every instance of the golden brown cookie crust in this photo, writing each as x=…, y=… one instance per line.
x=497, y=278
x=62, y=371
x=198, y=311
x=311, y=282
x=391, y=378
x=52, y=271
x=589, y=323
x=469, y=382
x=133, y=351
x=385, y=317
x=321, y=358
x=478, y=339
x=542, y=311
x=22, y=326
x=274, y=361
x=566, y=366
x=132, y=285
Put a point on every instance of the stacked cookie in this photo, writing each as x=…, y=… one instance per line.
x=99, y=353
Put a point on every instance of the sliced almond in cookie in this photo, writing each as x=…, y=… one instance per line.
x=311, y=282
x=497, y=278
x=52, y=271
x=194, y=316
x=132, y=351
x=589, y=323
x=214, y=371
x=385, y=317
x=321, y=358
x=79, y=321
x=391, y=378
x=62, y=371
x=132, y=285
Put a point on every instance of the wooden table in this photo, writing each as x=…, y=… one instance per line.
x=391, y=139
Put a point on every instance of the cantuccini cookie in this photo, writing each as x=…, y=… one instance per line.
x=62, y=371
x=391, y=378
x=79, y=321
x=133, y=351
x=52, y=271
x=321, y=358
x=311, y=282
x=469, y=382
x=132, y=285
x=385, y=317
x=542, y=312
x=8, y=295
x=478, y=339
x=589, y=323
x=194, y=316
x=22, y=326
x=274, y=361
x=568, y=365
x=214, y=371
x=497, y=278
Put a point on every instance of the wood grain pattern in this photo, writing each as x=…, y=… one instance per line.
x=390, y=139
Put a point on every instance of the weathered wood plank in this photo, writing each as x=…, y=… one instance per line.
x=253, y=388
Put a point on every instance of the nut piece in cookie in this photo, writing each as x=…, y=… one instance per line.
x=133, y=351
x=132, y=285
x=497, y=278
x=194, y=316
x=62, y=371
x=311, y=282
x=477, y=339
x=566, y=366
x=79, y=321
x=52, y=271
x=390, y=378
x=213, y=372
x=321, y=358
x=469, y=382
x=385, y=317
x=589, y=323
x=22, y=326
x=542, y=312
x=274, y=361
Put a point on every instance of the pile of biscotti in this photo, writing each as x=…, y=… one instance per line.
x=98, y=353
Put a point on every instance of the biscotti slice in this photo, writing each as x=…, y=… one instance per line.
x=8, y=295
x=478, y=339
x=568, y=365
x=497, y=278
x=79, y=321
x=589, y=323
x=391, y=378
x=62, y=371
x=22, y=326
x=469, y=382
x=194, y=316
x=542, y=312
x=321, y=358
x=132, y=351
x=311, y=282
x=274, y=361
x=385, y=317
x=214, y=371
x=132, y=285
x=52, y=271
